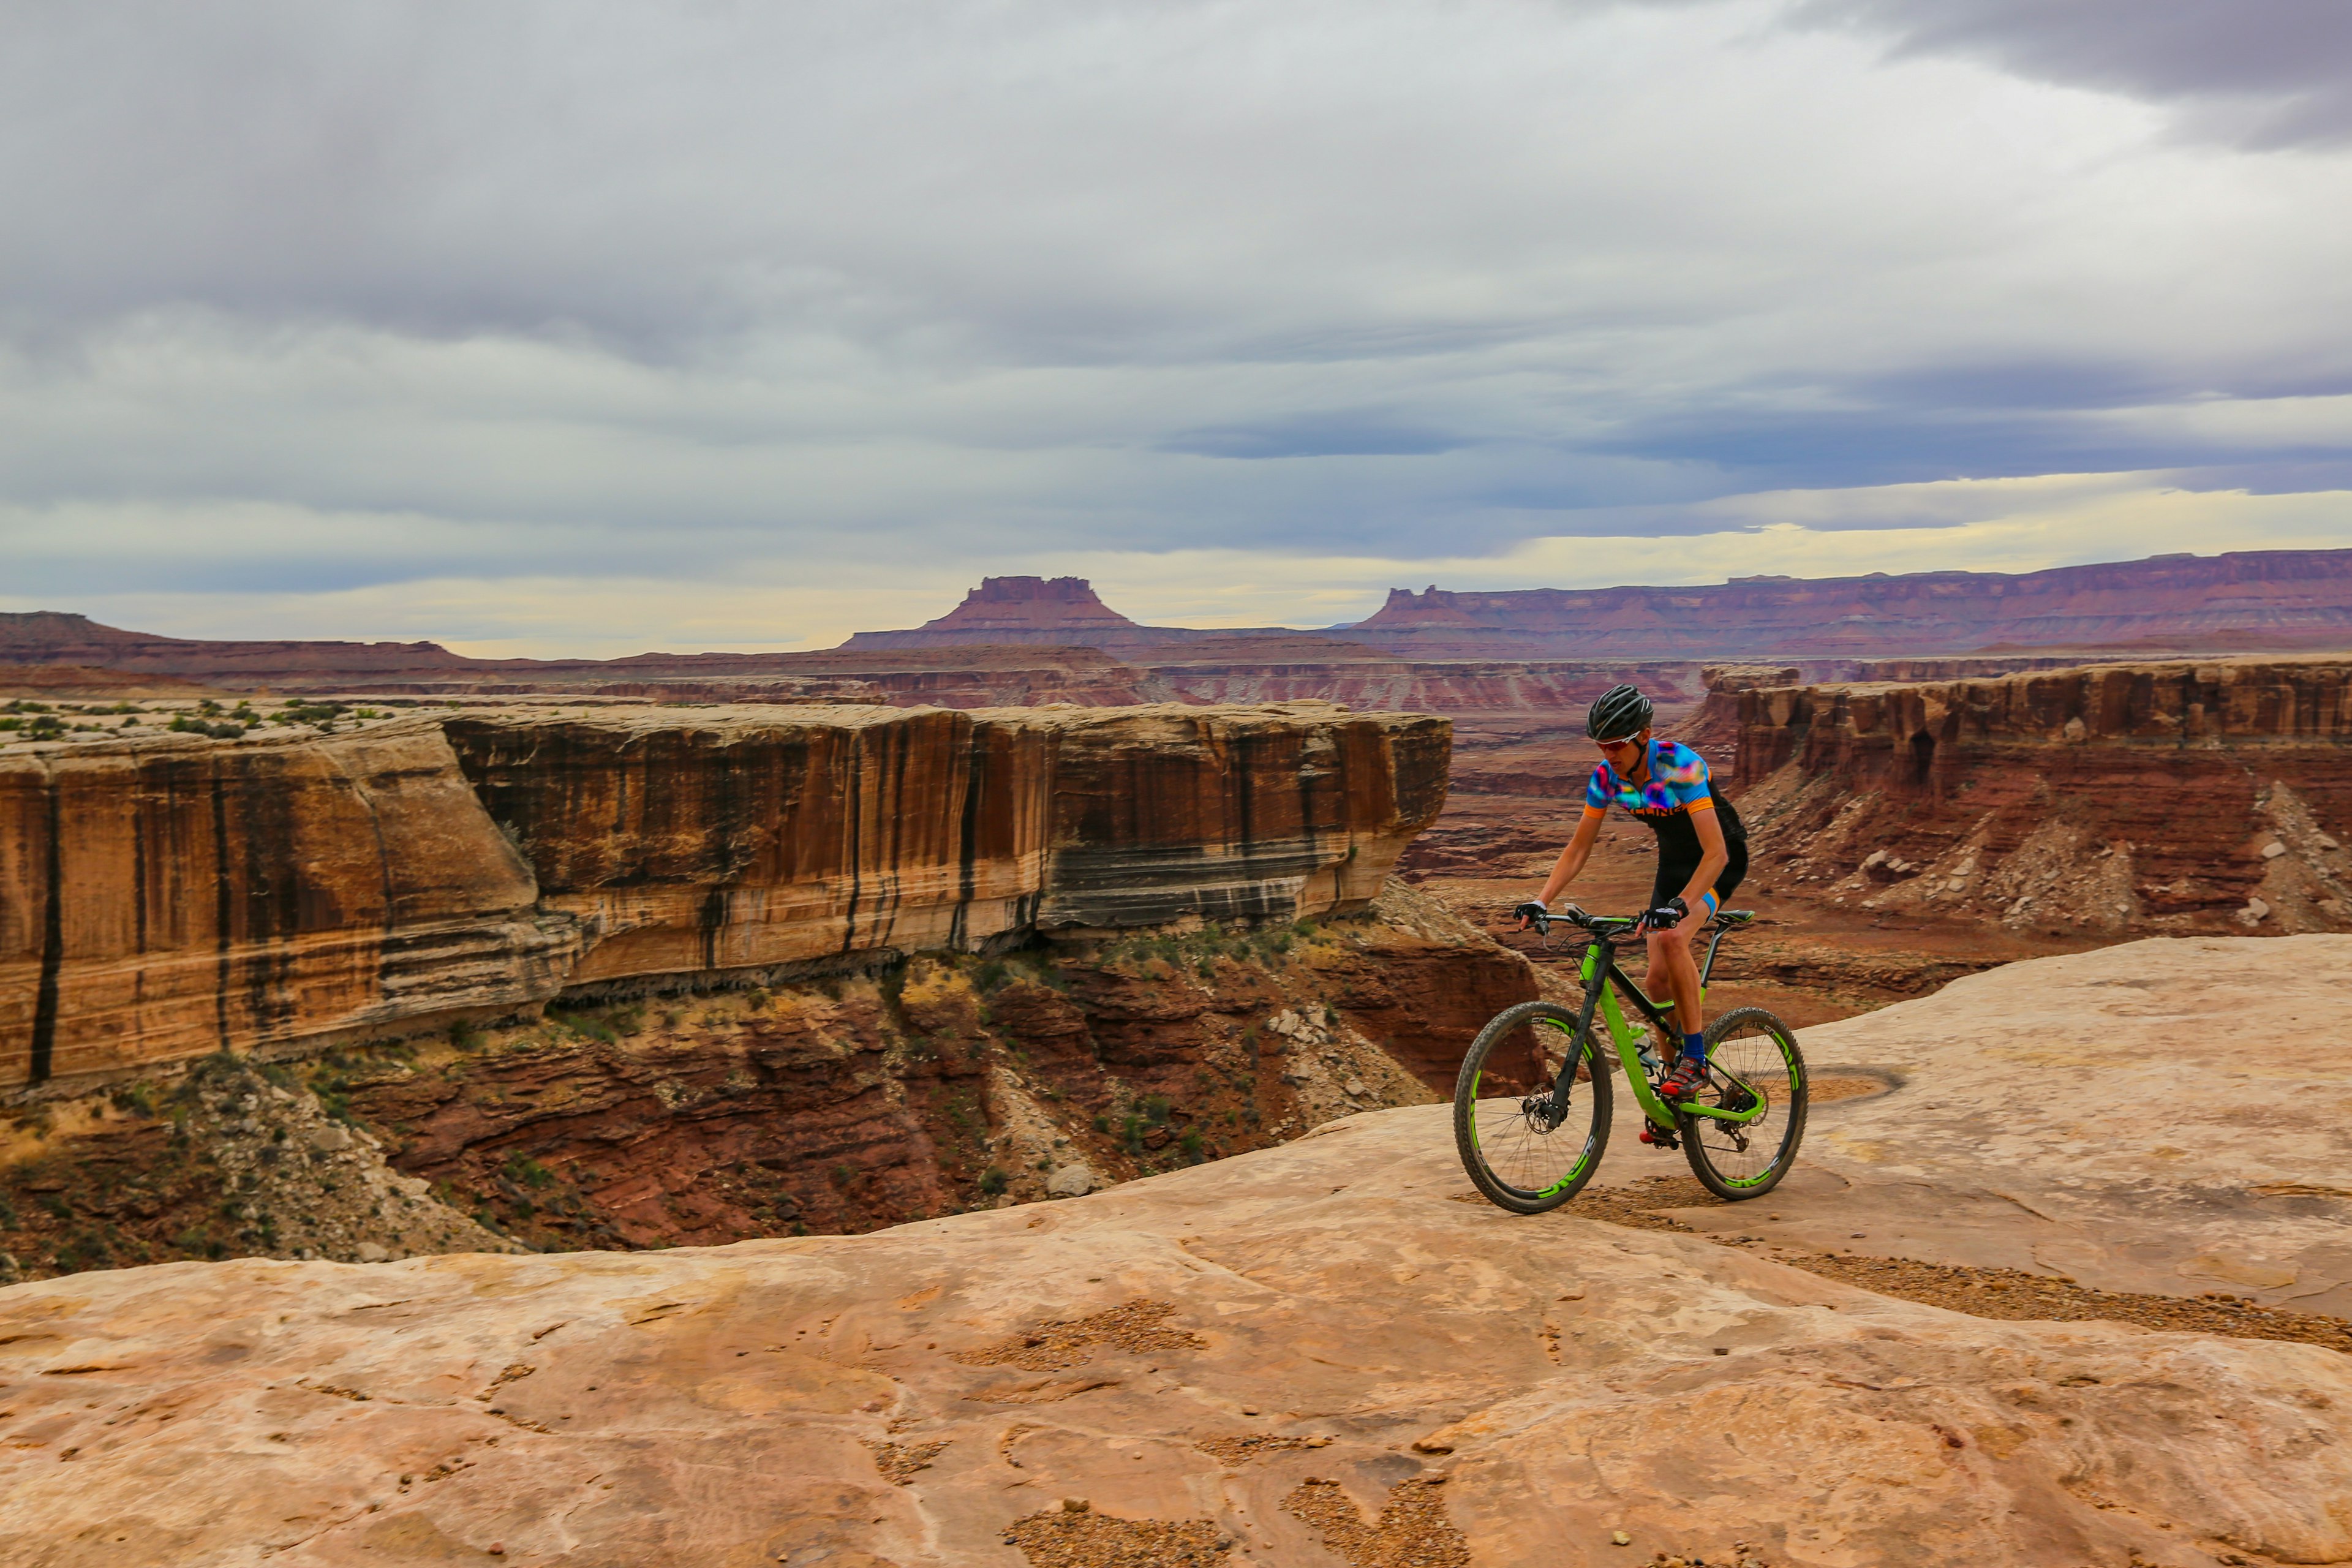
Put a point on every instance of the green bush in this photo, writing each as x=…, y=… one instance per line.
x=993, y=1180
x=525, y=1172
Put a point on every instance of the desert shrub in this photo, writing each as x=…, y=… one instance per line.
x=993, y=1180
x=525, y=1172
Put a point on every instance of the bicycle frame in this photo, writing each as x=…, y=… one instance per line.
x=1597, y=973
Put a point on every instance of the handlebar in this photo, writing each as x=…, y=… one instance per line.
x=1599, y=925
x=1618, y=925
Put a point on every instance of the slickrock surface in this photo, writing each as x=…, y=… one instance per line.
x=1439, y=1380
x=168, y=895
x=2104, y=799
x=2164, y=1116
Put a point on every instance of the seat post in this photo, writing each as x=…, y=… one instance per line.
x=1706, y=969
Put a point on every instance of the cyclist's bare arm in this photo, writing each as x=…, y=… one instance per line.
x=1580, y=849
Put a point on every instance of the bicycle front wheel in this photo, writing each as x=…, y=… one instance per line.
x=1750, y=1055
x=1528, y=1146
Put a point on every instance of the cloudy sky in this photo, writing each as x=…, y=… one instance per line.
x=590, y=327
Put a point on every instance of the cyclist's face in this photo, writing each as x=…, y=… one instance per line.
x=1620, y=752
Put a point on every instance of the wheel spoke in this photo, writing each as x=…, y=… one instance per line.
x=1527, y=1146
x=1753, y=1060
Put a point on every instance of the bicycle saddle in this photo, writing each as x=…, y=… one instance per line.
x=1734, y=916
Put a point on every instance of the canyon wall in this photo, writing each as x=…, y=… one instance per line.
x=1561, y=688
x=2172, y=796
x=167, y=896
x=46, y=653
x=2246, y=600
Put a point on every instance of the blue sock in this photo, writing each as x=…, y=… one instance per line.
x=1695, y=1049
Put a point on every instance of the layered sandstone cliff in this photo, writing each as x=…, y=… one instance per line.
x=2163, y=796
x=169, y=896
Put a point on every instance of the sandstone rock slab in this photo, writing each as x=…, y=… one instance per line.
x=1288, y=1351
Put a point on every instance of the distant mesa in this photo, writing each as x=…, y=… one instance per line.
x=1016, y=605
x=1017, y=640
x=1020, y=610
x=2247, y=601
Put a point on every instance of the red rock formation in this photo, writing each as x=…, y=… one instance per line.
x=1557, y=690
x=841, y=1103
x=166, y=896
x=2253, y=599
x=1034, y=610
x=46, y=636
x=163, y=897
x=78, y=682
x=45, y=653
x=1060, y=604
x=2157, y=796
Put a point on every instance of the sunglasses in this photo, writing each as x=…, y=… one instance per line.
x=1628, y=744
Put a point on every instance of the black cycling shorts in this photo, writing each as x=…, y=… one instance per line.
x=1675, y=875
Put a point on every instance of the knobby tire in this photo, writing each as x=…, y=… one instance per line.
x=1760, y=1048
x=1516, y=1165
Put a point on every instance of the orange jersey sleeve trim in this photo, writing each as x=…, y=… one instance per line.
x=1704, y=802
x=1593, y=812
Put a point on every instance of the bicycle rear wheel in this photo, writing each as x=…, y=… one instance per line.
x=1749, y=1051
x=1523, y=1149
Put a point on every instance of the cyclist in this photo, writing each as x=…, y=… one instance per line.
x=1702, y=855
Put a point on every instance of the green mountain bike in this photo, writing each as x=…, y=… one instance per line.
x=1531, y=1107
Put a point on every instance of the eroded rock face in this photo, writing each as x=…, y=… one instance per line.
x=164, y=897
x=841, y=1104
x=168, y=895
x=2102, y=798
x=1302, y=1355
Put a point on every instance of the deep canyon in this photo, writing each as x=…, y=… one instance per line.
x=950, y=1100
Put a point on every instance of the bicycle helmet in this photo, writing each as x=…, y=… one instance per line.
x=1618, y=714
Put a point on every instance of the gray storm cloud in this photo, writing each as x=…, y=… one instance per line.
x=2277, y=72
x=297, y=298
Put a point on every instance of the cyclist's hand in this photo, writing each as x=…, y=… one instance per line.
x=1528, y=913
x=1668, y=915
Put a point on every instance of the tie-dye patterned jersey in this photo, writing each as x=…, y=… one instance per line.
x=1677, y=787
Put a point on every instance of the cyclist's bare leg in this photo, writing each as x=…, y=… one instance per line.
x=1671, y=961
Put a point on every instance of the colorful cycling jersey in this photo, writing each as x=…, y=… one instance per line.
x=1677, y=788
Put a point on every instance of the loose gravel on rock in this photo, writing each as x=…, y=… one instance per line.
x=1981, y=1292
x=1413, y=1530
x=1083, y=1539
x=899, y=1462
x=1139, y=1325
x=1239, y=1451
